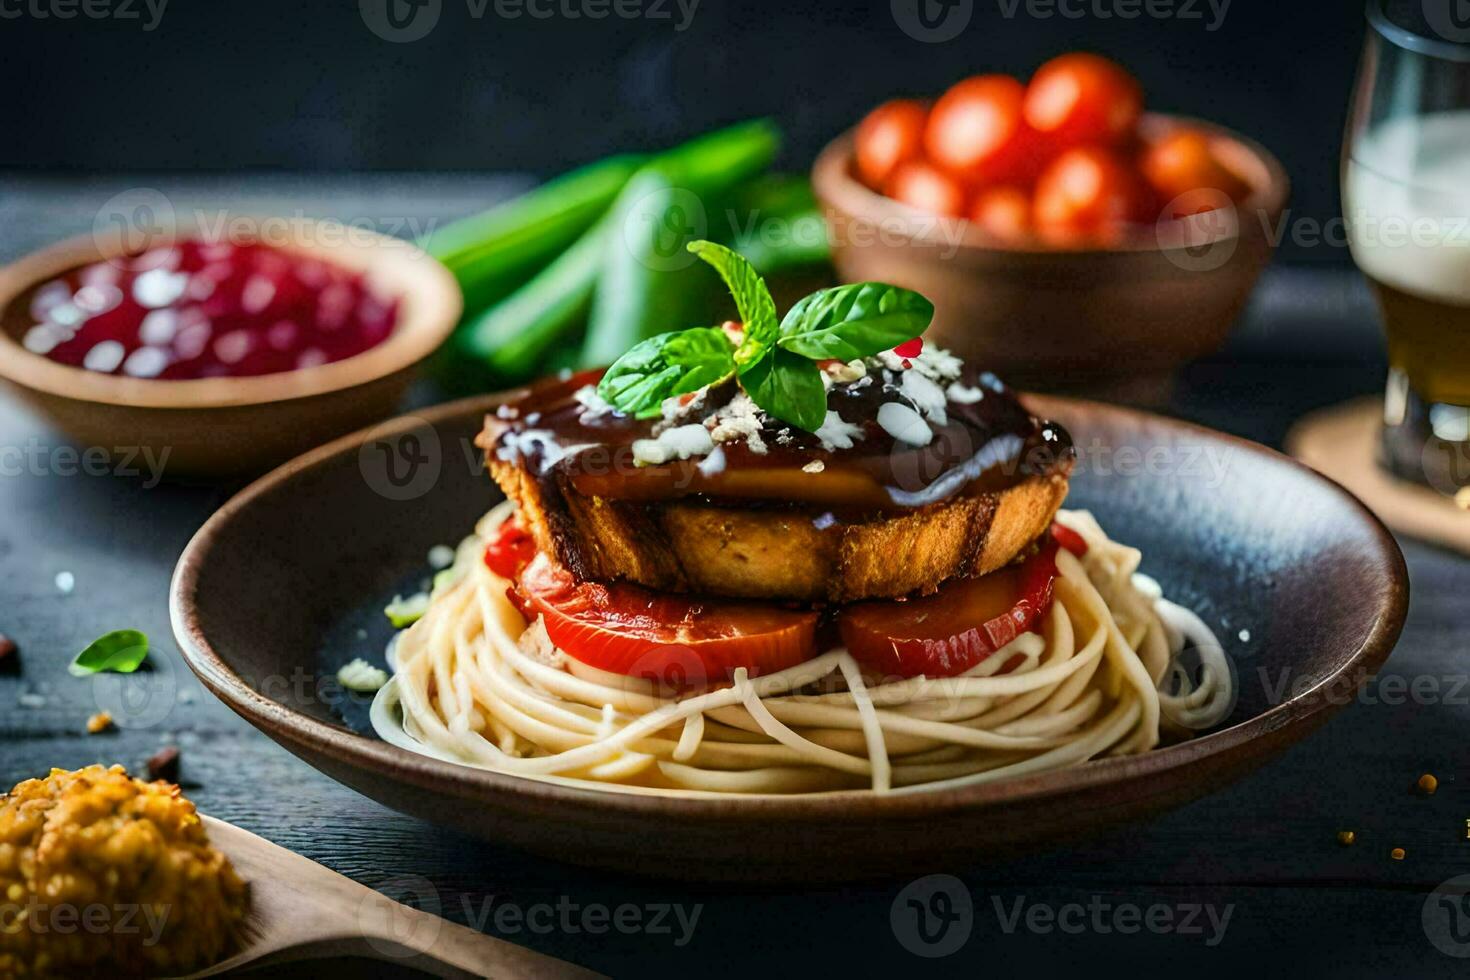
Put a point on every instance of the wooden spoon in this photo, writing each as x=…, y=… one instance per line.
x=300, y=910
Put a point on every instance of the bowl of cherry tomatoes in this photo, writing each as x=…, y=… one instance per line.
x=1068, y=238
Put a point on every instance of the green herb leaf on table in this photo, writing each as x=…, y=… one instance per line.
x=752, y=299
x=120, y=652
x=662, y=367
x=789, y=387
x=853, y=321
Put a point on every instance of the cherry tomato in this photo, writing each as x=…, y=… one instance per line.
x=1182, y=162
x=1083, y=98
x=976, y=131
x=677, y=641
x=890, y=135
x=1004, y=212
x=924, y=186
x=954, y=629
x=510, y=549
x=1087, y=194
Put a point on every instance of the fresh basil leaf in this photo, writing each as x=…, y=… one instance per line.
x=752, y=299
x=789, y=387
x=120, y=652
x=664, y=366
x=853, y=321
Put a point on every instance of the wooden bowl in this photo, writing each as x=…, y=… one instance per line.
x=288, y=581
x=220, y=426
x=1116, y=321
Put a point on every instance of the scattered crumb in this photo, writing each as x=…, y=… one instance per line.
x=1245, y=636
x=815, y=466
x=1467, y=829
x=362, y=634
x=65, y=582
x=359, y=675
x=1397, y=853
x=1347, y=837
x=29, y=700
x=7, y=647
x=441, y=556
x=1427, y=784
x=164, y=764
x=98, y=723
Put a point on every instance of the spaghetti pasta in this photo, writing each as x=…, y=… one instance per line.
x=1113, y=669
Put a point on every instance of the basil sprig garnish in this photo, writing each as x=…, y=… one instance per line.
x=775, y=362
x=664, y=366
x=858, y=320
x=752, y=299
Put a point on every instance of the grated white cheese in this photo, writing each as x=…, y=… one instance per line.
x=834, y=433
x=934, y=363
x=589, y=399
x=927, y=396
x=680, y=442
x=904, y=424
x=740, y=419
x=962, y=394
x=680, y=407
x=359, y=675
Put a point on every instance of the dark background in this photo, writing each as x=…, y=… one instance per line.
x=307, y=86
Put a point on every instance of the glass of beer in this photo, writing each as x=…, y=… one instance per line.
x=1406, y=198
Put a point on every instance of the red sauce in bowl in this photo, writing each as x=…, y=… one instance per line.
x=199, y=309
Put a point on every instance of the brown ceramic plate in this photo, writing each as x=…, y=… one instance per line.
x=288, y=580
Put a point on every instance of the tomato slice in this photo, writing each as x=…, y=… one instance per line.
x=890, y=135
x=510, y=550
x=947, y=633
x=1083, y=98
x=1069, y=539
x=674, y=640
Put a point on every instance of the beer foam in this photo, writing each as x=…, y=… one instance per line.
x=1406, y=197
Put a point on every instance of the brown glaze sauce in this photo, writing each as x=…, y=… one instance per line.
x=984, y=447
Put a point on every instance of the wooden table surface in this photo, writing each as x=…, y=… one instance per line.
x=1249, y=879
